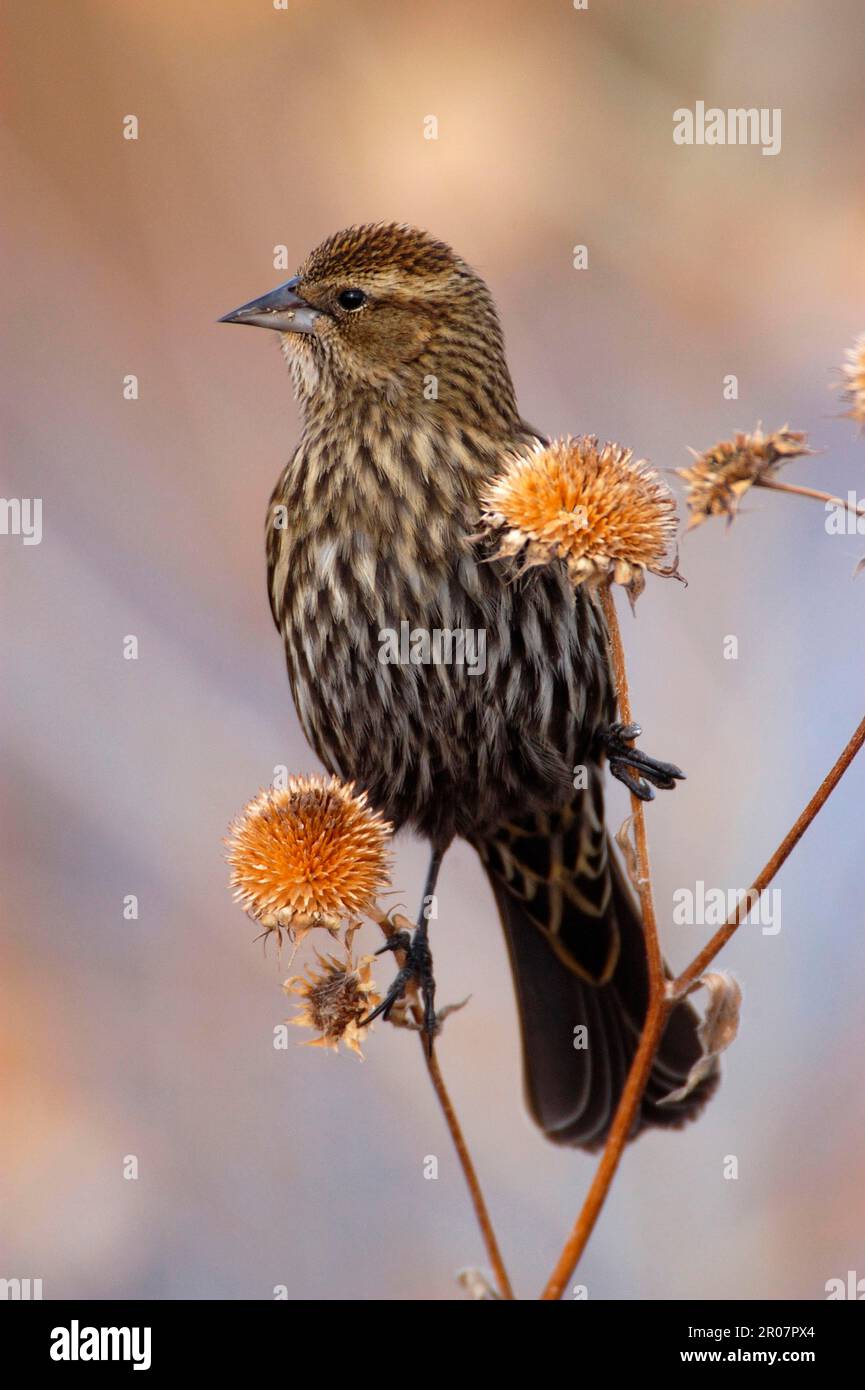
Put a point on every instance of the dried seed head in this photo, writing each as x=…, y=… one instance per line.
x=307, y=855
x=335, y=999
x=853, y=381
x=607, y=515
x=719, y=477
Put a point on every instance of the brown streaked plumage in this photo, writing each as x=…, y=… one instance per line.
x=397, y=358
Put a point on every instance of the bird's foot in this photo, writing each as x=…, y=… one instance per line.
x=401, y=1017
x=633, y=767
x=417, y=970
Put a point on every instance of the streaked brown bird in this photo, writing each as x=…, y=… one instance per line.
x=397, y=358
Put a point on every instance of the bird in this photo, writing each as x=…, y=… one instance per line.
x=396, y=354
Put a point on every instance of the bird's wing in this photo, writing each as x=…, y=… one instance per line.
x=556, y=865
x=578, y=958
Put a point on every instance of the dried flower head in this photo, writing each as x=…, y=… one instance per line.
x=335, y=1000
x=607, y=515
x=306, y=855
x=719, y=477
x=853, y=381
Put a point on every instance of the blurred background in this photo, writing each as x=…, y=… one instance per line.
x=262, y=127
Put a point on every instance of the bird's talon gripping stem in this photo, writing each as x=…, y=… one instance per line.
x=399, y=941
x=417, y=967
x=635, y=768
x=623, y=732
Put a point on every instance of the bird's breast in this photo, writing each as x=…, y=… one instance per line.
x=419, y=670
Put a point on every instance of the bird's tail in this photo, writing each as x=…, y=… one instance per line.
x=575, y=941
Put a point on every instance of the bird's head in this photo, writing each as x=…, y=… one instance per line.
x=386, y=308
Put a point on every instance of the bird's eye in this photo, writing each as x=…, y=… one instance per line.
x=351, y=299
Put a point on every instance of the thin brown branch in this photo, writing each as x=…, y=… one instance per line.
x=767, y=873
x=618, y=1137
x=481, y=1212
x=459, y=1142
x=644, y=878
x=797, y=491
x=659, y=1006
x=656, y=1013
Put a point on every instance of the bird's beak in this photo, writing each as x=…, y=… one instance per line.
x=282, y=309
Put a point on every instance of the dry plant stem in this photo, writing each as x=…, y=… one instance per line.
x=465, y=1159
x=644, y=881
x=656, y=1013
x=813, y=492
x=494, y=1255
x=659, y=1006
x=770, y=869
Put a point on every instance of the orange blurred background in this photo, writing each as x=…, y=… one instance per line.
x=153, y=1037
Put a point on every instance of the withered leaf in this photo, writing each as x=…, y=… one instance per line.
x=717, y=1029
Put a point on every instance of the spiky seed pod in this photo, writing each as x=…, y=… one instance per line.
x=309, y=854
x=335, y=999
x=607, y=515
x=853, y=381
x=720, y=476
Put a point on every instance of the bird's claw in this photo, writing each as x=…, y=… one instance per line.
x=635, y=768
x=417, y=969
x=397, y=941
x=400, y=1016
